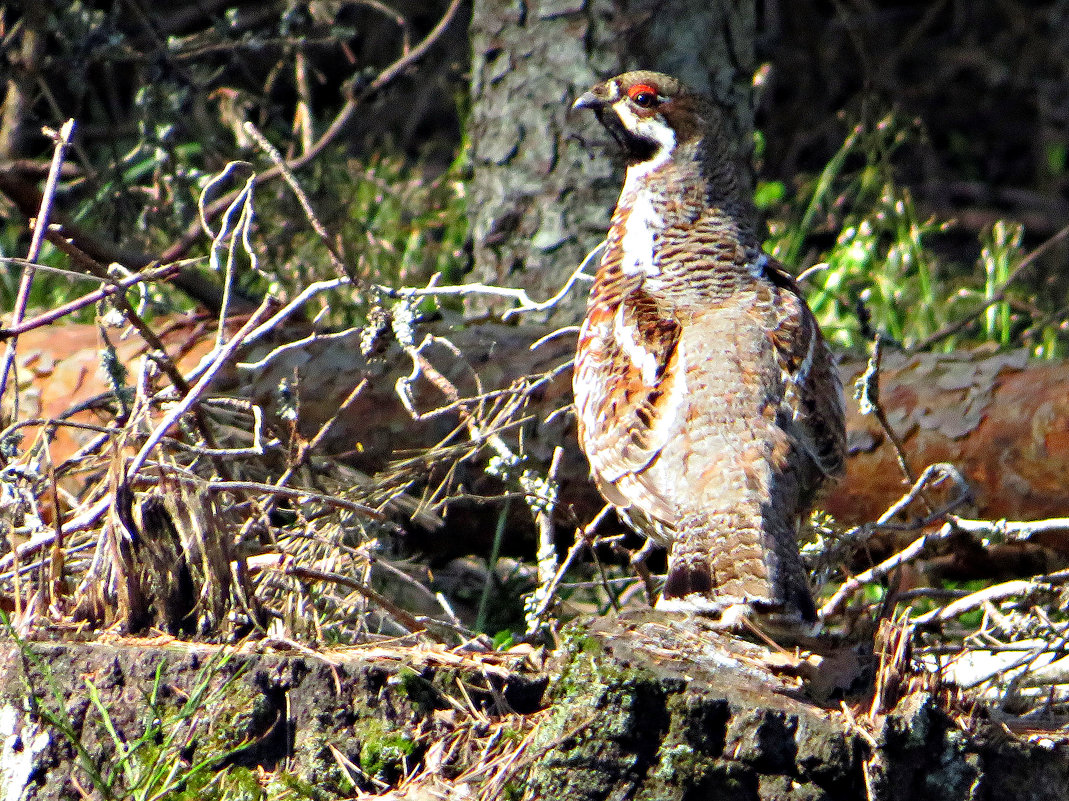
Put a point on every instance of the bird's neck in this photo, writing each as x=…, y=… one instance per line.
x=679, y=188
x=673, y=211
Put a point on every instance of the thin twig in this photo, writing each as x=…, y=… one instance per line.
x=933, y=475
x=306, y=205
x=1017, y=588
x=197, y=389
x=546, y=555
x=583, y=538
x=1014, y=531
x=406, y=619
x=227, y=236
x=880, y=571
x=111, y=287
x=280, y=316
x=526, y=303
x=162, y=358
x=304, y=452
x=40, y=227
x=97, y=270
x=297, y=494
x=426, y=625
x=61, y=232
x=867, y=392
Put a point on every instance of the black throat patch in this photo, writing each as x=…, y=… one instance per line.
x=636, y=149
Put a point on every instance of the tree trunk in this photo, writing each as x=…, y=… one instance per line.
x=541, y=196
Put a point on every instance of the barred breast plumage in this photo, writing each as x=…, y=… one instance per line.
x=707, y=399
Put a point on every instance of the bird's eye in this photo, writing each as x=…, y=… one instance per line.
x=643, y=95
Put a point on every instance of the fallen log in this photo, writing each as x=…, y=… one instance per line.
x=1001, y=418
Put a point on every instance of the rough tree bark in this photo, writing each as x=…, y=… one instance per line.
x=540, y=198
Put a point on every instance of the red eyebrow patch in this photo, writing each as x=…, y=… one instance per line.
x=641, y=88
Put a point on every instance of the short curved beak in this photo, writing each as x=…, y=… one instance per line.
x=588, y=100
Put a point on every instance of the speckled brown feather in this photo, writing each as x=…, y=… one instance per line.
x=707, y=401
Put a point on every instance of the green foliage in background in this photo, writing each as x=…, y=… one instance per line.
x=396, y=223
x=148, y=145
x=158, y=117
x=885, y=263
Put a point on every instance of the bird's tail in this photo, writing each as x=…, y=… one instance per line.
x=716, y=563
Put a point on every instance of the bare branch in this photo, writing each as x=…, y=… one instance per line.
x=1013, y=531
x=302, y=198
x=520, y=295
x=883, y=569
x=546, y=594
x=197, y=389
x=40, y=226
x=546, y=555
x=343, y=118
x=867, y=393
x=1018, y=588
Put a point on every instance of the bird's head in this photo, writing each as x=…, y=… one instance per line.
x=657, y=120
x=650, y=115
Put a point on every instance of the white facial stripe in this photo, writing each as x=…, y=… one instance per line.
x=644, y=221
x=654, y=128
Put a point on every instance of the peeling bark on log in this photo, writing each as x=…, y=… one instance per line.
x=1004, y=421
x=1001, y=419
x=641, y=708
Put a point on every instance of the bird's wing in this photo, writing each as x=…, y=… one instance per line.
x=813, y=394
x=628, y=396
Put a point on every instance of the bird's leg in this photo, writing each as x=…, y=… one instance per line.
x=638, y=562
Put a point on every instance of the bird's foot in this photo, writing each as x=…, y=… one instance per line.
x=743, y=617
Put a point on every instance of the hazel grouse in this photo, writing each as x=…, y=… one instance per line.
x=707, y=400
